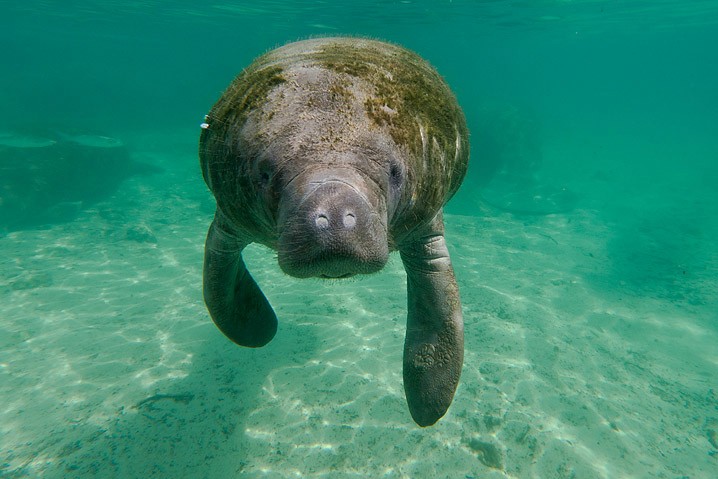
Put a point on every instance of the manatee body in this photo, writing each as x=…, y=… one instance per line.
x=336, y=152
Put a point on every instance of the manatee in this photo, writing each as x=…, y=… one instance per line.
x=336, y=152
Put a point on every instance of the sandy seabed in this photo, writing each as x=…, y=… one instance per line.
x=579, y=362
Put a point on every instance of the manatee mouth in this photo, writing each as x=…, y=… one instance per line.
x=332, y=265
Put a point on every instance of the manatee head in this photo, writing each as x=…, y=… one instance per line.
x=330, y=201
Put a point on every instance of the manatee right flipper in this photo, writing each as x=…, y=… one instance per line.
x=434, y=344
x=234, y=300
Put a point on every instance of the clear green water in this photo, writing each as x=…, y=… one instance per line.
x=584, y=242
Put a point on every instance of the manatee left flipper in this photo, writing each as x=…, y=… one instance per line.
x=434, y=344
x=234, y=300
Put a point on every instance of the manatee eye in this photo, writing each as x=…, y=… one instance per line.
x=264, y=173
x=396, y=177
x=264, y=177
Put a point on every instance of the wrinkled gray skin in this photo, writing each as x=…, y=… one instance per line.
x=335, y=152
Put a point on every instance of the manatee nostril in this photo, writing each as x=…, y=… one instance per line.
x=349, y=220
x=321, y=221
x=324, y=221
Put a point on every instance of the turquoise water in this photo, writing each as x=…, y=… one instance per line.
x=583, y=238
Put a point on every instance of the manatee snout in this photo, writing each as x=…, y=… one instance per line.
x=333, y=233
